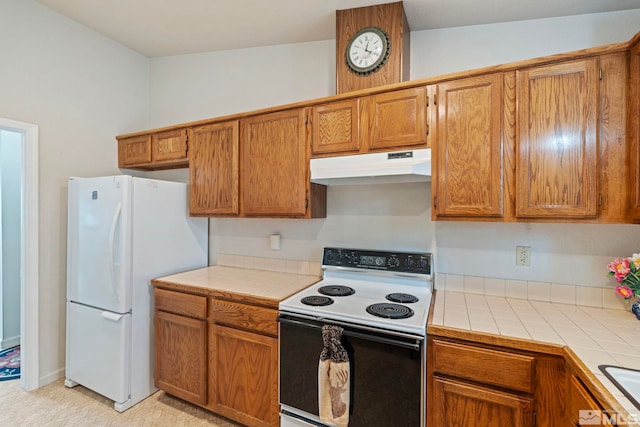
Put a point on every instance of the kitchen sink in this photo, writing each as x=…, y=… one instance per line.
x=626, y=379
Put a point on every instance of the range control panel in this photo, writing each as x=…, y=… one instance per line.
x=407, y=262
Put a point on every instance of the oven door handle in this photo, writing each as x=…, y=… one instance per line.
x=398, y=343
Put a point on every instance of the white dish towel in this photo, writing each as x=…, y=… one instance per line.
x=333, y=378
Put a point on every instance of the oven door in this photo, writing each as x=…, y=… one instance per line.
x=387, y=373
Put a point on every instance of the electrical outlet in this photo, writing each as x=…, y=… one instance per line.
x=523, y=255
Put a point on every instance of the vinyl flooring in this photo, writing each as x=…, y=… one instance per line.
x=57, y=405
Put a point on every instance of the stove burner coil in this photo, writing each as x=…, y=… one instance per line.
x=336, y=290
x=316, y=300
x=402, y=298
x=390, y=311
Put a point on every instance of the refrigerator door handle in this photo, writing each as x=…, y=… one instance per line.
x=112, y=238
x=114, y=317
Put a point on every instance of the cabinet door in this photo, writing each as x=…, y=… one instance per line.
x=396, y=119
x=582, y=409
x=335, y=128
x=181, y=356
x=634, y=129
x=134, y=151
x=214, y=169
x=243, y=376
x=556, y=151
x=275, y=164
x=467, y=174
x=169, y=146
x=458, y=404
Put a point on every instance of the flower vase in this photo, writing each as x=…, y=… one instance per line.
x=635, y=309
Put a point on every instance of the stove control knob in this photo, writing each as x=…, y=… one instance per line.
x=329, y=256
x=410, y=262
x=423, y=263
x=393, y=261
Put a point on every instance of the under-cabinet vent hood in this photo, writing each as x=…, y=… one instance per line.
x=376, y=168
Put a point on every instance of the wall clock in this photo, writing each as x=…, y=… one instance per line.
x=372, y=47
x=367, y=51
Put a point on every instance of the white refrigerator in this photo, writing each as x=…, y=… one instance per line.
x=122, y=232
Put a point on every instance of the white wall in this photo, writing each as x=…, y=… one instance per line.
x=10, y=181
x=199, y=86
x=81, y=89
x=382, y=217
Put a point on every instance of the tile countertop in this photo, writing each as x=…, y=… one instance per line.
x=596, y=336
x=272, y=286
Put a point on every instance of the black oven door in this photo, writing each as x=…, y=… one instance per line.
x=387, y=372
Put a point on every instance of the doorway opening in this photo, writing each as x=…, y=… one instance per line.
x=26, y=135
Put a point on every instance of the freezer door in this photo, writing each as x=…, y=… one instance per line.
x=98, y=242
x=99, y=350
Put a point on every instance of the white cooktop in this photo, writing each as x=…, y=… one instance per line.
x=370, y=288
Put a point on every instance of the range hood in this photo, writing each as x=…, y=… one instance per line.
x=375, y=168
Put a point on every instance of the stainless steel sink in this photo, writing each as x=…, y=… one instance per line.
x=626, y=379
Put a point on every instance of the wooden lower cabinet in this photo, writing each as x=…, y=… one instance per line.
x=582, y=407
x=181, y=356
x=472, y=384
x=221, y=354
x=243, y=376
x=457, y=404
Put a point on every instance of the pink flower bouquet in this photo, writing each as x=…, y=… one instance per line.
x=627, y=274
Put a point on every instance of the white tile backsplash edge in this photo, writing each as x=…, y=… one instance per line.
x=533, y=291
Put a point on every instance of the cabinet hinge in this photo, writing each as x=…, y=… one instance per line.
x=427, y=129
x=435, y=202
x=306, y=119
x=534, y=419
x=306, y=203
x=186, y=142
x=435, y=99
x=600, y=200
x=601, y=73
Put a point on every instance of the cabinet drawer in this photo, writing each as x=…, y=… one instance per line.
x=181, y=303
x=513, y=371
x=250, y=317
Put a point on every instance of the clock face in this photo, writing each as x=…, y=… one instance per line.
x=367, y=51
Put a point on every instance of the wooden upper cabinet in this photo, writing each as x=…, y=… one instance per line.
x=395, y=120
x=275, y=164
x=214, y=169
x=134, y=151
x=335, y=128
x=633, y=130
x=557, y=145
x=169, y=145
x=467, y=148
x=161, y=150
